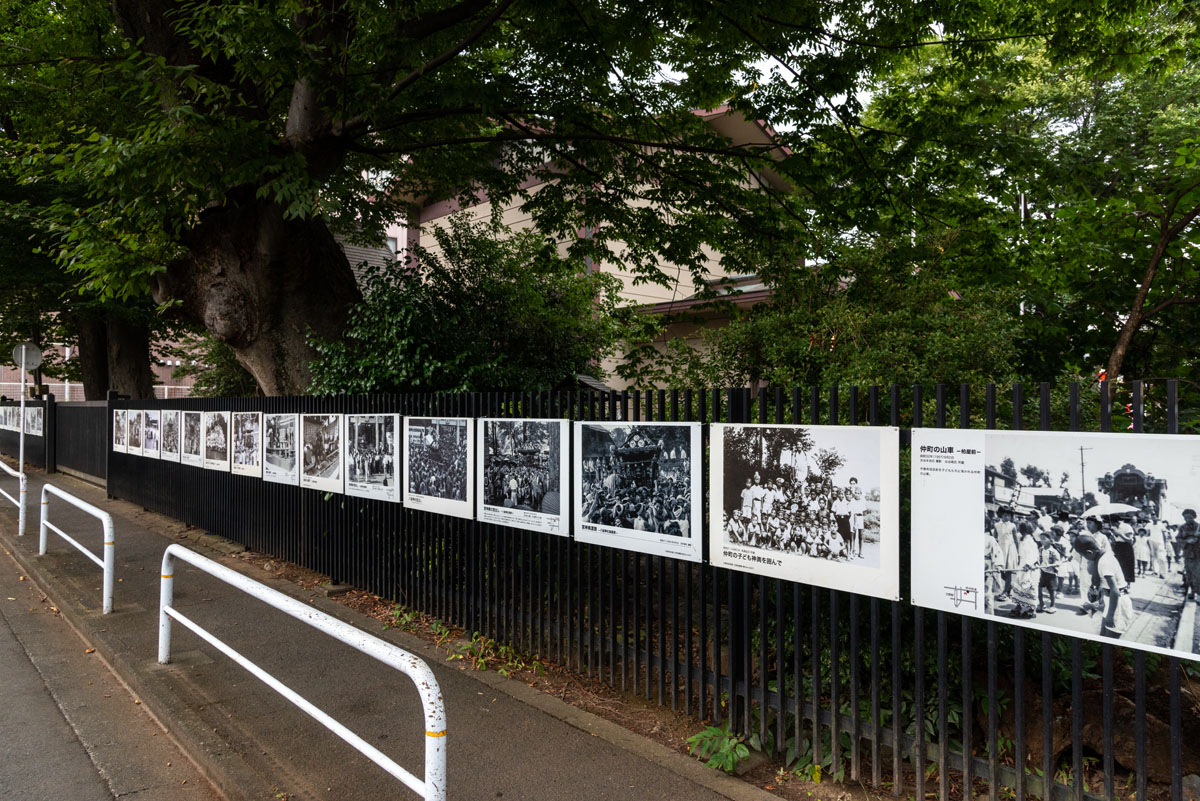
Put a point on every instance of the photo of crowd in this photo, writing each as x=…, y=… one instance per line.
x=521, y=473
x=247, y=443
x=801, y=490
x=321, y=465
x=438, y=458
x=1097, y=537
x=639, y=479
x=280, y=463
x=170, y=435
x=371, y=456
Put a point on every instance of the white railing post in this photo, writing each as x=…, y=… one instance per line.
x=433, y=787
x=107, y=561
x=22, y=499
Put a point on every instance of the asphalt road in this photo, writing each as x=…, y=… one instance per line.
x=70, y=731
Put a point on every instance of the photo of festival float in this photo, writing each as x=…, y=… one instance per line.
x=1093, y=535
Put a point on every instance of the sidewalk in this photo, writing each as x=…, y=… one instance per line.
x=505, y=740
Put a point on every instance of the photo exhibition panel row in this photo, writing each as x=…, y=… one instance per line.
x=1090, y=535
x=34, y=417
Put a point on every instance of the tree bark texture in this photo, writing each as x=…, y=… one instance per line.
x=92, y=334
x=129, y=358
x=260, y=284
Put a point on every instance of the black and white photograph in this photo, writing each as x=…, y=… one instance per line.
x=216, y=440
x=280, y=462
x=34, y=415
x=321, y=465
x=812, y=504
x=637, y=487
x=247, y=444
x=373, y=456
x=135, y=431
x=522, y=472
x=192, y=451
x=151, y=433
x=1091, y=535
x=120, y=429
x=169, y=450
x=438, y=465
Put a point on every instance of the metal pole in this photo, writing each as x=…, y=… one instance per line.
x=21, y=436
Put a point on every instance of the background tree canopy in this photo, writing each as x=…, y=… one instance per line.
x=218, y=147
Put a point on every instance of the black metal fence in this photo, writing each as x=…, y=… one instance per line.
x=910, y=701
x=84, y=448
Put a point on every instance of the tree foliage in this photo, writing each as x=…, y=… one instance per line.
x=485, y=310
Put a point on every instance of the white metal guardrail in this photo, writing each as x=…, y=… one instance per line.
x=106, y=563
x=433, y=788
x=23, y=494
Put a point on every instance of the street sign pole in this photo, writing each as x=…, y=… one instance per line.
x=29, y=356
x=21, y=436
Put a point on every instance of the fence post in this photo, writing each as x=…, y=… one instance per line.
x=50, y=433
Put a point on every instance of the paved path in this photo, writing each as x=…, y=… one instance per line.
x=69, y=730
x=506, y=740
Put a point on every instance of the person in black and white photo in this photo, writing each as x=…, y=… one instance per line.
x=371, y=458
x=637, y=477
x=801, y=491
x=191, y=433
x=170, y=433
x=281, y=441
x=322, y=446
x=521, y=465
x=437, y=458
x=1082, y=533
x=216, y=437
x=246, y=433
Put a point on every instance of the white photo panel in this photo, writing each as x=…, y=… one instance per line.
x=120, y=429
x=813, y=504
x=281, y=462
x=247, y=444
x=321, y=455
x=151, y=433
x=169, y=450
x=215, y=440
x=1087, y=535
x=439, y=456
x=134, y=440
x=522, y=474
x=637, y=486
x=34, y=415
x=372, y=444
x=192, y=444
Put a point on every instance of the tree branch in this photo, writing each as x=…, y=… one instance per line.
x=425, y=25
x=437, y=61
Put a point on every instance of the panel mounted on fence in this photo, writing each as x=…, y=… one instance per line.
x=637, y=486
x=120, y=430
x=151, y=433
x=34, y=419
x=321, y=467
x=439, y=458
x=522, y=474
x=170, y=435
x=192, y=448
x=134, y=440
x=216, y=440
x=373, y=456
x=281, y=463
x=247, y=444
x=813, y=504
x=1091, y=535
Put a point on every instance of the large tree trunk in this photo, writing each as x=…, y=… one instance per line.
x=129, y=357
x=260, y=283
x=93, y=357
